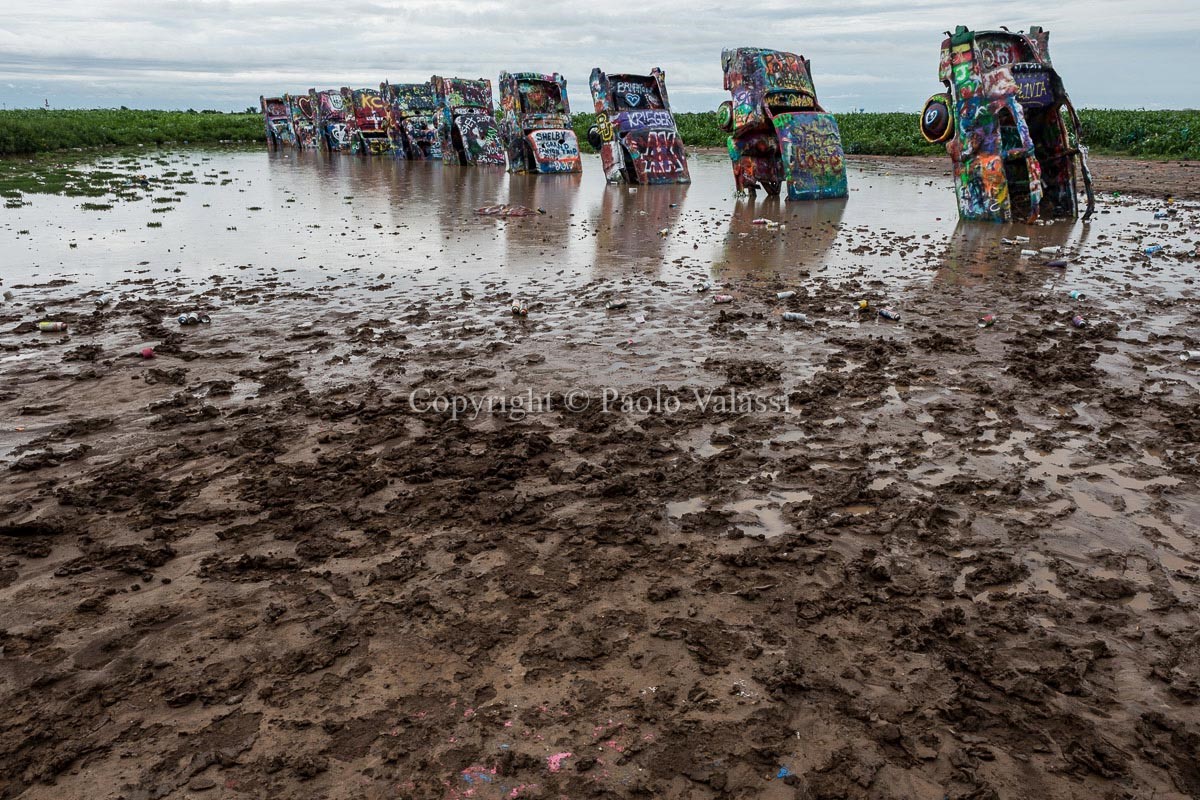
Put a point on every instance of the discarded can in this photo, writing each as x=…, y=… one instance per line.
x=520, y=309
x=784, y=295
x=1077, y=295
x=704, y=286
x=194, y=318
x=1050, y=251
x=52, y=326
x=1162, y=214
x=1078, y=321
x=862, y=306
x=987, y=320
x=1021, y=239
x=1153, y=249
x=888, y=313
x=1028, y=253
x=102, y=301
x=794, y=316
x=1189, y=355
x=615, y=304
x=147, y=352
x=722, y=298
x=1058, y=262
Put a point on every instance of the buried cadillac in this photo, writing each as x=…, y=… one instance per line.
x=1009, y=127
x=536, y=123
x=777, y=130
x=367, y=121
x=329, y=120
x=466, y=121
x=301, y=110
x=412, y=120
x=635, y=131
x=277, y=121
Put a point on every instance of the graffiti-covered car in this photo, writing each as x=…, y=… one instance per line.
x=536, y=123
x=367, y=121
x=300, y=109
x=329, y=118
x=412, y=120
x=777, y=130
x=635, y=131
x=467, y=121
x=277, y=122
x=1009, y=127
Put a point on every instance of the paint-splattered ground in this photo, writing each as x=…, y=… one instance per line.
x=854, y=558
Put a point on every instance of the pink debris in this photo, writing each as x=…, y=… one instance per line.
x=554, y=762
x=505, y=210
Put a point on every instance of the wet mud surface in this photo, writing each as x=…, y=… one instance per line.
x=690, y=550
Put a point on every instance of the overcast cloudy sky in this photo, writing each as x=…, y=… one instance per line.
x=866, y=54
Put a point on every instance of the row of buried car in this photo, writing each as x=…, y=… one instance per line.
x=1006, y=120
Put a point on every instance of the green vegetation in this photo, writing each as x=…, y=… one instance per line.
x=36, y=130
x=1145, y=134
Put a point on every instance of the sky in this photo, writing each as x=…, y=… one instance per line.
x=872, y=55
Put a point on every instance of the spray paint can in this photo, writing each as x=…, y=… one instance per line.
x=794, y=316
x=520, y=309
x=1058, y=262
x=52, y=326
x=1153, y=250
x=784, y=295
x=722, y=298
x=612, y=305
x=1077, y=295
x=1078, y=321
x=987, y=320
x=888, y=313
x=704, y=286
x=1189, y=355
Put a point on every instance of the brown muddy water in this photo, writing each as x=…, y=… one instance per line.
x=678, y=549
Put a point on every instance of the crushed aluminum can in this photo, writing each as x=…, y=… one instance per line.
x=888, y=313
x=987, y=320
x=1162, y=214
x=862, y=306
x=1078, y=321
x=1153, y=250
x=784, y=295
x=612, y=305
x=794, y=316
x=721, y=299
x=52, y=326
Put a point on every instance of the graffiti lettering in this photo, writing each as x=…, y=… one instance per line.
x=651, y=119
x=555, y=145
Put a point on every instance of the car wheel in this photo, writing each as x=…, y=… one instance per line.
x=593, y=138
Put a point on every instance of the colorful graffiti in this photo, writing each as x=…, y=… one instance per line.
x=300, y=109
x=277, y=122
x=1009, y=128
x=466, y=122
x=333, y=129
x=777, y=130
x=366, y=121
x=635, y=131
x=412, y=120
x=535, y=124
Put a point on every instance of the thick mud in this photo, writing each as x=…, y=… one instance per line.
x=367, y=534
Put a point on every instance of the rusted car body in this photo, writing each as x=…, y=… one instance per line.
x=412, y=120
x=277, y=122
x=635, y=131
x=300, y=110
x=1009, y=127
x=536, y=124
x=367, y=121
x=466, y=121
x=330, y=119
x=777, y=130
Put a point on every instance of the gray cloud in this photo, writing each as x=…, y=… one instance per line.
x=874, y=55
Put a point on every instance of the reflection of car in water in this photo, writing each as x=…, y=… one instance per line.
x=277, y=121
x=367, y=121
x=812, y=229
x=635, y=131
x=300, y=109
x=412, y=120
x=629, y=227
x=971, y=253
x=329, y=111
x=1009, y=127
x=536, y=123
x=777, y=129
x=466, y=121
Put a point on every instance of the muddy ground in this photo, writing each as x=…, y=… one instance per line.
x=854, y=558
